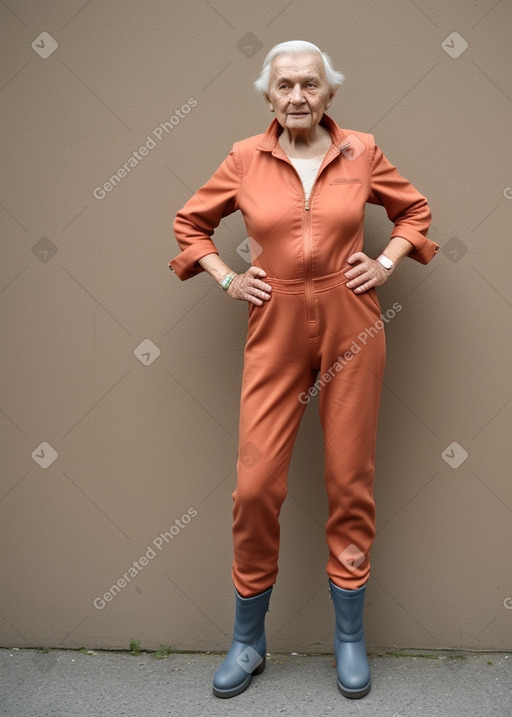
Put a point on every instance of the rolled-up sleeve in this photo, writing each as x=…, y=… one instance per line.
x=196, y=222
x=404, y=205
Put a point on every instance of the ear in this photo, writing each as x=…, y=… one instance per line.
x=330, y=100
x=269, y=103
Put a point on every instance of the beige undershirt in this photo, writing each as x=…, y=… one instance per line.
x=307, y=170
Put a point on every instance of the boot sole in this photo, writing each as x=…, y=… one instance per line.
x=354, y=694
x=225, y=694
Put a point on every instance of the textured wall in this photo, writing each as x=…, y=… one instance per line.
x=121, y=384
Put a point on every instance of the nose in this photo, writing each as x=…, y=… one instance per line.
x=296, y=95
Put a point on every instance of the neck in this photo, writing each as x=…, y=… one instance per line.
x=305, y=143
x=297, y=138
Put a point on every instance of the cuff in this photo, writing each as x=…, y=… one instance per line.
x=423, y=249
x=185, y=264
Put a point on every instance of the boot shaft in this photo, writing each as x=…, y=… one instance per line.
x=348, y=609
x=250, y=617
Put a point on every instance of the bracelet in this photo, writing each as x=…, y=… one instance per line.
x=226, y=281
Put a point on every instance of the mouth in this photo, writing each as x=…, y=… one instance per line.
x=298, y=114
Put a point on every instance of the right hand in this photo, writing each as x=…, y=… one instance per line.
x=250, y=287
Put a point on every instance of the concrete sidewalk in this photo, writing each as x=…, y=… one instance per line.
x=68, y=683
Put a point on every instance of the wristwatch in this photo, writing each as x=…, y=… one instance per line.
x=386, y=262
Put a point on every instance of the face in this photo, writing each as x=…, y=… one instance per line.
x=298, y=91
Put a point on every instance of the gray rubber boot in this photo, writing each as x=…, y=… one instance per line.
x=354, y=679
x=246, y=656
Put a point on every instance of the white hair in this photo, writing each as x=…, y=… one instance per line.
x=296, y=47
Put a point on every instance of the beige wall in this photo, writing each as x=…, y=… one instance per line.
x=146, y=432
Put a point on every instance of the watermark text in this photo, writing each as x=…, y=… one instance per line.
x=137, y=566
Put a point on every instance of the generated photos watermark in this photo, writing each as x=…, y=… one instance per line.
x=351, y=557
x=344, y=359
x=137, y=566
x=159, y=133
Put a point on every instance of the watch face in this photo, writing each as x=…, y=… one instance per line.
x=386, y=262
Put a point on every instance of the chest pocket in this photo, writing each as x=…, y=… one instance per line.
x=346, y=180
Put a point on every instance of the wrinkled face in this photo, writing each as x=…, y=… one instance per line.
x=298, y=91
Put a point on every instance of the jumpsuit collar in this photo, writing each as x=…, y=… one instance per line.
x=269, y=142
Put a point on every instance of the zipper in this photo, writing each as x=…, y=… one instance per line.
x=307, y=261
x=307, y=248
x=307, y=258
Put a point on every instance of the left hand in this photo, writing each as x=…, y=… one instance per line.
x=366, y=273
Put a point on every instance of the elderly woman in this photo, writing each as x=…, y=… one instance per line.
x=302, y=187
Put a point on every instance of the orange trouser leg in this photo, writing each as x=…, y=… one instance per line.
x=275, y=372
x=290, y=339
x=349, y=406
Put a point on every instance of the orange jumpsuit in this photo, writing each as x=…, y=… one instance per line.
x=313, y=337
